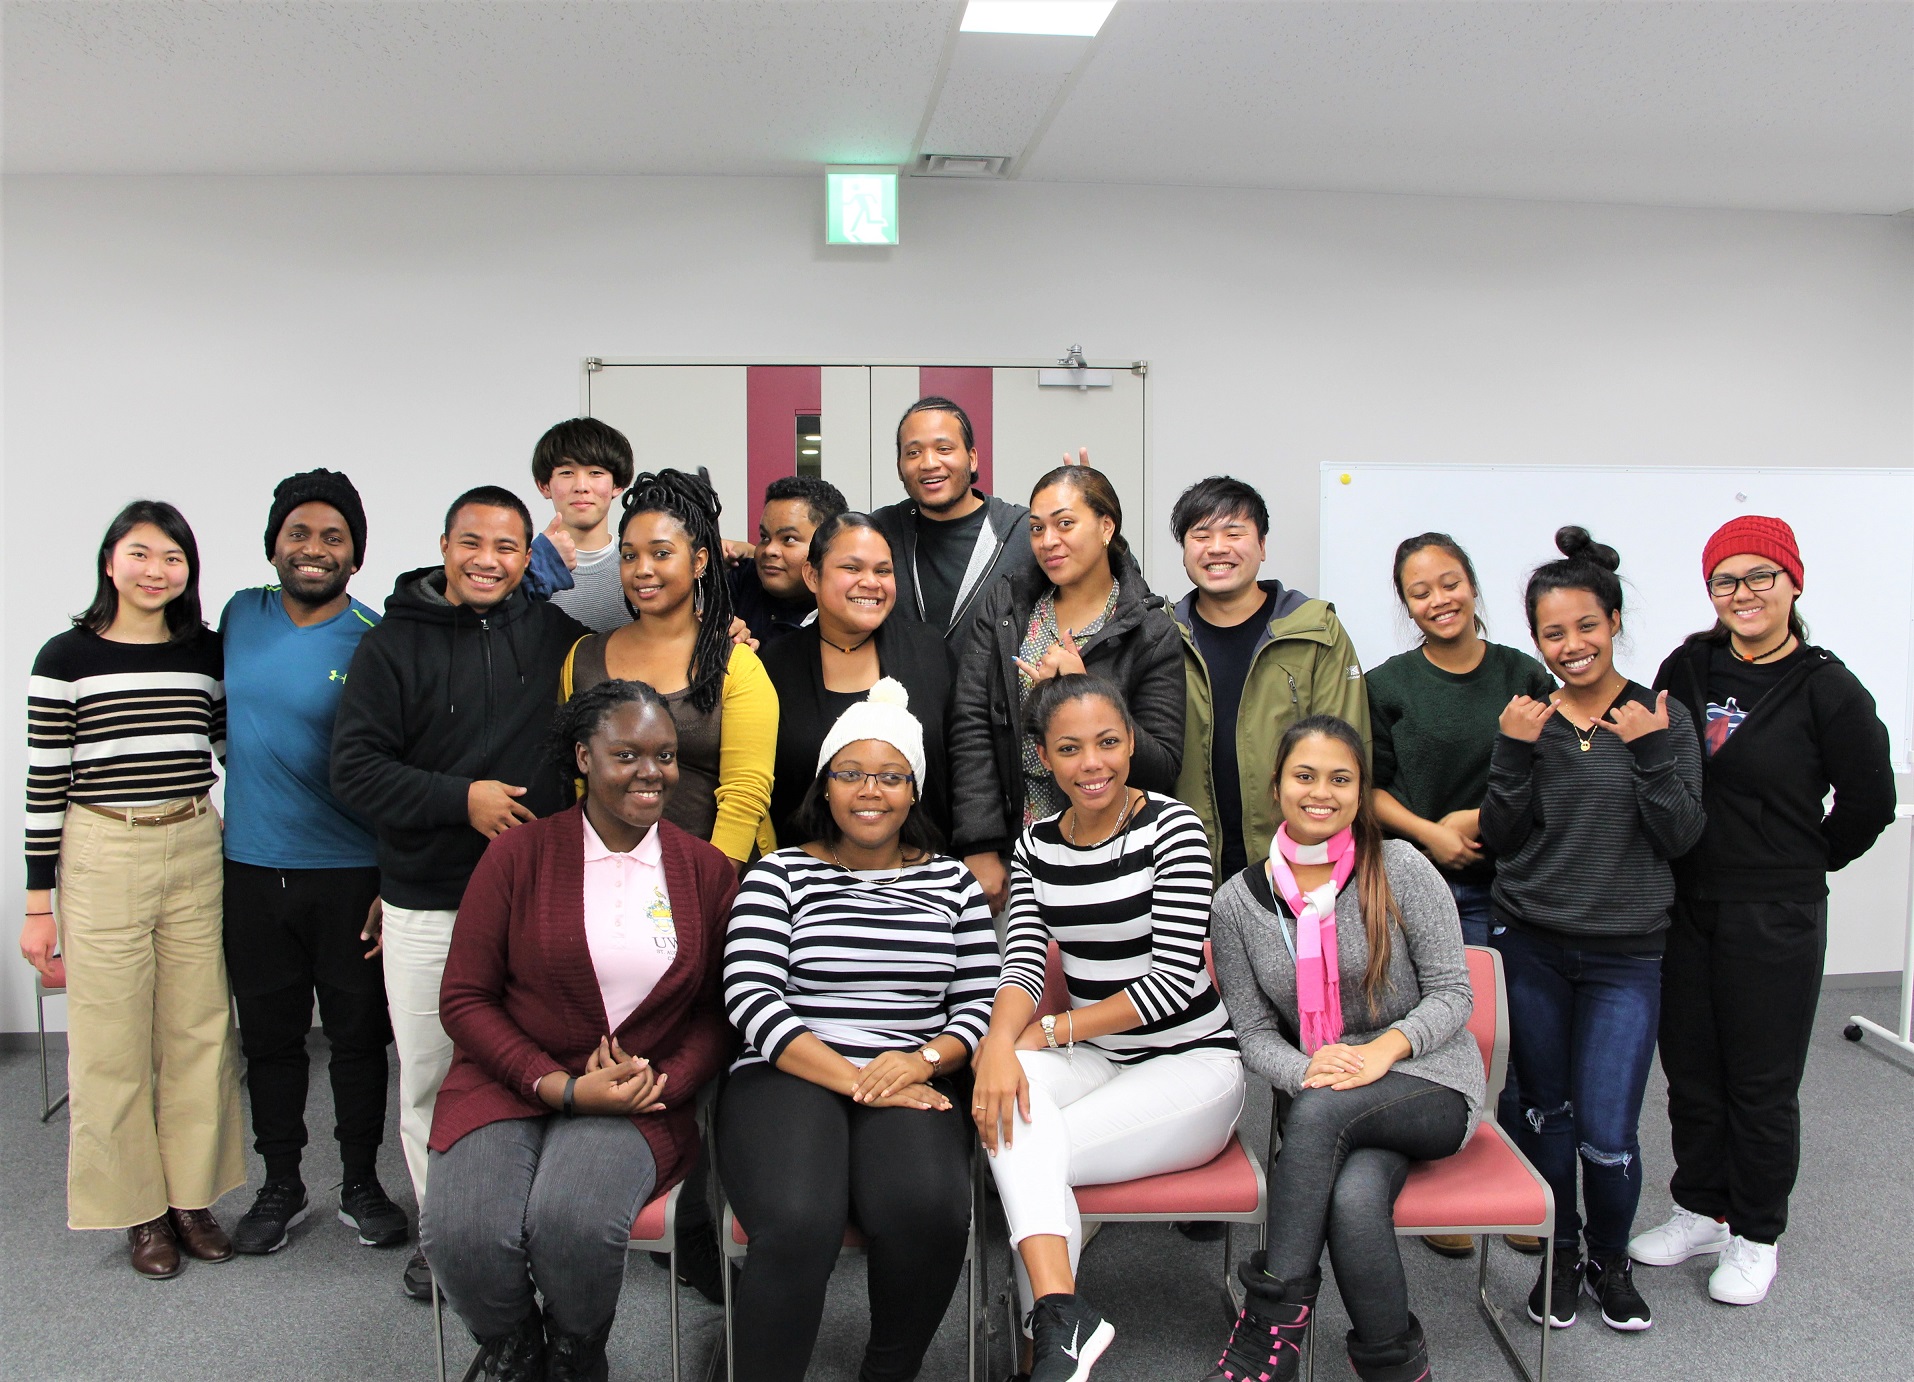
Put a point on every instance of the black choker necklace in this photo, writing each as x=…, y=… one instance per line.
x=854, y=647
x=1760, y=657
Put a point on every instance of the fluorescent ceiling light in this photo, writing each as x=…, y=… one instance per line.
x=1074, y=18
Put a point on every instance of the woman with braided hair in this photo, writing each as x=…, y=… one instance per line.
x=679, y=641
x=569, y=1104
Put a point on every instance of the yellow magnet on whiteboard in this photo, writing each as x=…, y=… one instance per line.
x=1345, y=477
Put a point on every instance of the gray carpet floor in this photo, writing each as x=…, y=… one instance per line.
x=326, y=1308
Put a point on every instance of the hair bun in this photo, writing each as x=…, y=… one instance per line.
x=1574, y=543
x=889, y=691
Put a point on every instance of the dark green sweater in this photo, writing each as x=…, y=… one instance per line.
x=1433, y=731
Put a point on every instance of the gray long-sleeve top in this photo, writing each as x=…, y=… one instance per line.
x=1425, y=996
x=1584, y=835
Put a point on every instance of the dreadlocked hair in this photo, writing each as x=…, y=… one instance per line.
x=585, y=714
x=691, y=500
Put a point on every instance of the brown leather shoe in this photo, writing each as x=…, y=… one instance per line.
x=1450, y=1244
x=154, y=1249
x=200, y=1235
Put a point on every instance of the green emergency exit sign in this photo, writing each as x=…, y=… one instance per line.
x=860, y=206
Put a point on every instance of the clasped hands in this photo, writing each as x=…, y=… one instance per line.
x=613, y=1083
x=898, y=1079
x=1341, y=1066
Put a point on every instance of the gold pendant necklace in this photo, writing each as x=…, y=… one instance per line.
x=1587, y=740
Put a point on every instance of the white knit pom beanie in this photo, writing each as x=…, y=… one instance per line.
x=883, y=715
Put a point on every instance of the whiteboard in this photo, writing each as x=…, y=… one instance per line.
x=1855, y=527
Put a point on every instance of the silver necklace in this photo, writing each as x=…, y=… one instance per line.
x=848, y=869
x=1116, y=831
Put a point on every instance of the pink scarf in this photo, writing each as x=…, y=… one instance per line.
x=1318, y=976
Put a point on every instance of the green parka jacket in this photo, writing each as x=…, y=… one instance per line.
x=1304, y=664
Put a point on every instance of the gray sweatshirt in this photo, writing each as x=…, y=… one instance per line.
x=1426, y=994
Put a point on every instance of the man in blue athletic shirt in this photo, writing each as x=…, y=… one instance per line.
x=302, y=882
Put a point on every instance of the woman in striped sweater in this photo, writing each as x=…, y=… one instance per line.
x=125, y=713
x=1140, y=1075
x=859, y=968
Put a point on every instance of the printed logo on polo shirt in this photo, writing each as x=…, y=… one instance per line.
x=336, y=675
x=1723, y=720
x=664, y=929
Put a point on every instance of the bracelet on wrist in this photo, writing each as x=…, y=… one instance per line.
x=567, y=1105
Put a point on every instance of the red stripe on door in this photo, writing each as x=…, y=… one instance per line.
x=970, y=388
x=774, y=397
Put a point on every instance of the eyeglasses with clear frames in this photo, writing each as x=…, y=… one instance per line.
x=890, y=782
x=1723, y=587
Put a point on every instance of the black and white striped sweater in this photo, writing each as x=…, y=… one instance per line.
x=865, y=961
x=1129, y=916
x=117, y=724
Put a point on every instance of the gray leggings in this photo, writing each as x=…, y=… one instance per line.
x=1344, y=1156
x=536, y=1202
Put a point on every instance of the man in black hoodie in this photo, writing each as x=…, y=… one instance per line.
x=440, y=744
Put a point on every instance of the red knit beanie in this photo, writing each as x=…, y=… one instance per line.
x=1759, y=536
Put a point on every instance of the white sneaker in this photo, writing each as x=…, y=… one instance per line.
x=1685, y=1235
x=1745, y=1272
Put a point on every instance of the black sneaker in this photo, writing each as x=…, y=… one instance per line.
x=417, y=1281
x=1613, y=1284
x=364, y=1205
x=1568, y=1285
x=1070, y=1337
x=279, y=1205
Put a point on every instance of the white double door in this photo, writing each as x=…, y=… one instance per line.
x=700, y=415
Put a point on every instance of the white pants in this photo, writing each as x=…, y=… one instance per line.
x=1095, y=1122
x=416, y=943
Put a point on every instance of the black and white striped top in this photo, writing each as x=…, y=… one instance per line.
x=866, y=961
x=117, y=724
x=1130, y=916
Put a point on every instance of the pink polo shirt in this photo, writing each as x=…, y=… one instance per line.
x=628, y=921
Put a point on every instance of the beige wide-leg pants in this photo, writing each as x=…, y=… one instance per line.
x=153, y=1062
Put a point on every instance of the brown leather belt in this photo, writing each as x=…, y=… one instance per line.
x=185, y=811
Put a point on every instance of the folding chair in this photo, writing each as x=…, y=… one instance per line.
x=1488, y=1188
x=1230, y=1188
x=654, y=1230
x=737, y=1246
x=48, y=1105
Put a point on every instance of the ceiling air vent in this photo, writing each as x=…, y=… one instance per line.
x=962, y=166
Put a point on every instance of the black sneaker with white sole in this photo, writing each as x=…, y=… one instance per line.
x=1613, y=1284
x=279, y=1205
x=364, y=1205
x=1568, y=1285
x=1069, y=1338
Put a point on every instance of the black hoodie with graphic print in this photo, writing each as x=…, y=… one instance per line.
x=1770, y=836
x=438, y=697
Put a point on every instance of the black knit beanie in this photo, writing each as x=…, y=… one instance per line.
x=323, y=487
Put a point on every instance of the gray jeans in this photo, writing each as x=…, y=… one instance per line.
x=543, y=1203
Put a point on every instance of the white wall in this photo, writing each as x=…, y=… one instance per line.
x=197, y=339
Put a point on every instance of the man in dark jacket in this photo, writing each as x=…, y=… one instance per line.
x=440, y=744
x=950, y=542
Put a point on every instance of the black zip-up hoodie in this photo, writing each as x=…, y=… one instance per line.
x=1767, y=836
x=1139, y=650
x=438, y=697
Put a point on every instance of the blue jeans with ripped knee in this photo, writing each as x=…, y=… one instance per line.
x=1583, y=1025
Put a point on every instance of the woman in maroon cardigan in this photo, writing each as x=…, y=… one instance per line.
x=582, y=998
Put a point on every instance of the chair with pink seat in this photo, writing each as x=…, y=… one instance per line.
x=1488, y=1188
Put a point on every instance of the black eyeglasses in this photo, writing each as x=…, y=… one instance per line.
x=890, y=781
x=1723, y=587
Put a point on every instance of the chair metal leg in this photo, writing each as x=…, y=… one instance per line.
x=48, y=1107
x=438, y=1329
x=724, y=1268
x=671, y=1295
x=1493, y=1313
